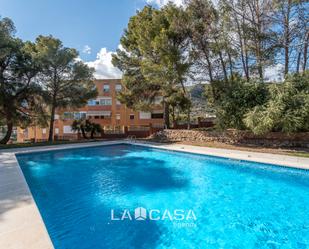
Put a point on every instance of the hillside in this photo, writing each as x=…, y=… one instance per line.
x=199, y=101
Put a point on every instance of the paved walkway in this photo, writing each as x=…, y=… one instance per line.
x=276, y=159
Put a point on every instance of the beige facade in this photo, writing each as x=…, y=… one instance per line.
x=105, y=110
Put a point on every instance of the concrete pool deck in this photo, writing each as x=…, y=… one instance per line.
x=21, y=225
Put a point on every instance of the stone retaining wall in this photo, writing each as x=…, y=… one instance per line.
x=273, y=139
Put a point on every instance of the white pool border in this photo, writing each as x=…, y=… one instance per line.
x=21, y=225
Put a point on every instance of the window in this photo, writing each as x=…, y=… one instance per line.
x=67, y=129
x=94, y=102
x=145, y=115
x=91, y=102
x=96, y=117
x=158, y=100
x=156, y=115
x=57, y=130
x=44, y=131
x=118, y=102
x=83, y=115
x=106, y=88
x=56, y=117
x=79, y=115
x=68, y=115
x=106, y=101
x=117, y=116
x=131, y=116
x=26, y=132
x=76, y=115
x=118, y=88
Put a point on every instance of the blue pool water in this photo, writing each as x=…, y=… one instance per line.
x=236, y=204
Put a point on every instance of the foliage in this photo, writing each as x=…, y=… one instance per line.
x=86, y=126
x=21, y=102
x=234, y=99
x=66, y=81
x=153, y=59
x=93, y=128
x=286, y=110
x=78, y=126
x=229, y=45
x=35, y=76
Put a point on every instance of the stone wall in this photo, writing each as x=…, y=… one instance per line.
x=273, y=139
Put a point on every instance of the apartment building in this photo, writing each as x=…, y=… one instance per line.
x=105, y=110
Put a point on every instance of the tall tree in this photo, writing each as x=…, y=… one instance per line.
x=287, y=18
x=253, y=25
x=66, y=80
x=153, y=58
x=202, y=24
x=303, y=32
x=20, y=93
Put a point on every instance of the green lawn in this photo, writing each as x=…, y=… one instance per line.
x=299, y=153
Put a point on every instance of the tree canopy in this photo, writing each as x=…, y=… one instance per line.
x=154, y=58
x=65, y=80
x=21, y=101
x=37, y=78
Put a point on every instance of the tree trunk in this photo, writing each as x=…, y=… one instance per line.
x=84, y=133
x=243, y=50
x=166, y=115
x=259, y=59
x=51, y=124
x=298, y=62
x=258, y=41
x=247, y=64
x=287, y=39
x=223, y=66
x=188, y=119
x=8, y=134
x=286, y=60
x=92, y=134
x=306, y=52
x=230, y=65
x=173, y=117
x=209, y=69
x=260, y=67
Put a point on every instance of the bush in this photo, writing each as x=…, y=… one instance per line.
x=234, y=99
x=286, y=110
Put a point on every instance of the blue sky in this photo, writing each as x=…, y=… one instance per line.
x=93, y=27
x=78, y=23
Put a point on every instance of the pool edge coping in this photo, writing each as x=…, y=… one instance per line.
x=8, y=159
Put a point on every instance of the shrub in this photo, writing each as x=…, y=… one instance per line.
x=234, y=99
x=286, y=110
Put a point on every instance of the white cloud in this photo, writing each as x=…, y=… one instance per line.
x=274, y=73
x=161, y=3
x=87, y=49
x=103, y=66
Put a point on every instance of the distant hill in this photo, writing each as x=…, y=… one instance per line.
x=199, y=101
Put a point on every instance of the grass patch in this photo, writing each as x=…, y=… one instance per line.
x=298, y=153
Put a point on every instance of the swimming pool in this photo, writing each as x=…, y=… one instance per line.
x=82, y=195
